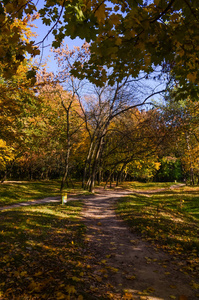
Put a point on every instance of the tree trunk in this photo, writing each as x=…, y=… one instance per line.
x=192, y=176
x=87, y=162
x=95, y=163
x=64, y=178
x=119, y=176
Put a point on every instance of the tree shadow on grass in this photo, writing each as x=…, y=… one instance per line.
x=41, y=252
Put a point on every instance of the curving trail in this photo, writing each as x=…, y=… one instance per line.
x=119, y=264
x=122, y=263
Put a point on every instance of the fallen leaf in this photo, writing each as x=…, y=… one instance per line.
x=60, y=296
x=130, y=277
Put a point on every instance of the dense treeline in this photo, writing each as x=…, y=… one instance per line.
x=94, y=120
x=98, y=136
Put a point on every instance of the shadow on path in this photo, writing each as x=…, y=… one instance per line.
x=124, y=264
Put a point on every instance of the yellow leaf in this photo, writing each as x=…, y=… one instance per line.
x=23, y=273
x=32, y=285
x=172, y=286
x=195, y=285
x=38, y=273
x=192, y=76
x=70, y=289
x=100, y=13
x=74, y=278
x=130, y=277
x=60, y=295
x=103, y=261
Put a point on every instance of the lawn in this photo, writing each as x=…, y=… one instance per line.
x=43, y=249
x=22, y=191
x=168, y=218
x=42, y=252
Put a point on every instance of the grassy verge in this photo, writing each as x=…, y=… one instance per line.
x=42, y=252
x=22, y=191
x=168, y=218
x=135, y=185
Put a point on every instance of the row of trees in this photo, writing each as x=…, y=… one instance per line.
x=66, y=127
x=94, y=119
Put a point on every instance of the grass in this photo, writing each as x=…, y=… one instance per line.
x=135, y=185
x=23, y=191
x=41, y=252
x=42, y=248
x=168, y=218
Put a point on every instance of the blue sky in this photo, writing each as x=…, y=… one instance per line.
x=41, y=31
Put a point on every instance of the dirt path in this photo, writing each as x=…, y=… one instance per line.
x=33, y=202
x=121, y=263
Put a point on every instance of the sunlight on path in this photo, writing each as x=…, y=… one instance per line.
x=125, y=266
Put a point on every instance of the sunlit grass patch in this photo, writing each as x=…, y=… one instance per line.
x=145, y=186
x=169, y=219
x=14, y=192
x=23, y=191
x=42, y=252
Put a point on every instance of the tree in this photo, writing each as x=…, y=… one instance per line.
x=61, y=115
x=15, y=31
x=17, y=98
x=179, y=151
x=99, y=105
x=132, y=36
x=126, y=36
x=132, y=145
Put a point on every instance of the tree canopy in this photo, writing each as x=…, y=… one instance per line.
x=132, y=36
x=126, y=36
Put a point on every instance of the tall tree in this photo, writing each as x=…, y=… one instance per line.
x=17, y=97
x=99, y=105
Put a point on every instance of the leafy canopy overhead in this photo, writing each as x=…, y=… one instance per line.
x=132, y=36
x=127, y=36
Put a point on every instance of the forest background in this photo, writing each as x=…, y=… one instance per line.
x=122, y=106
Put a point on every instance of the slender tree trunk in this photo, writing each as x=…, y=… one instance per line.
x=99, y=175
x=90, y=167
x=64, y=178
x=95, y=163
x=110, y=182
x=191, y=160
x=119, y=176
x=87, y=163
x=192, y=176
